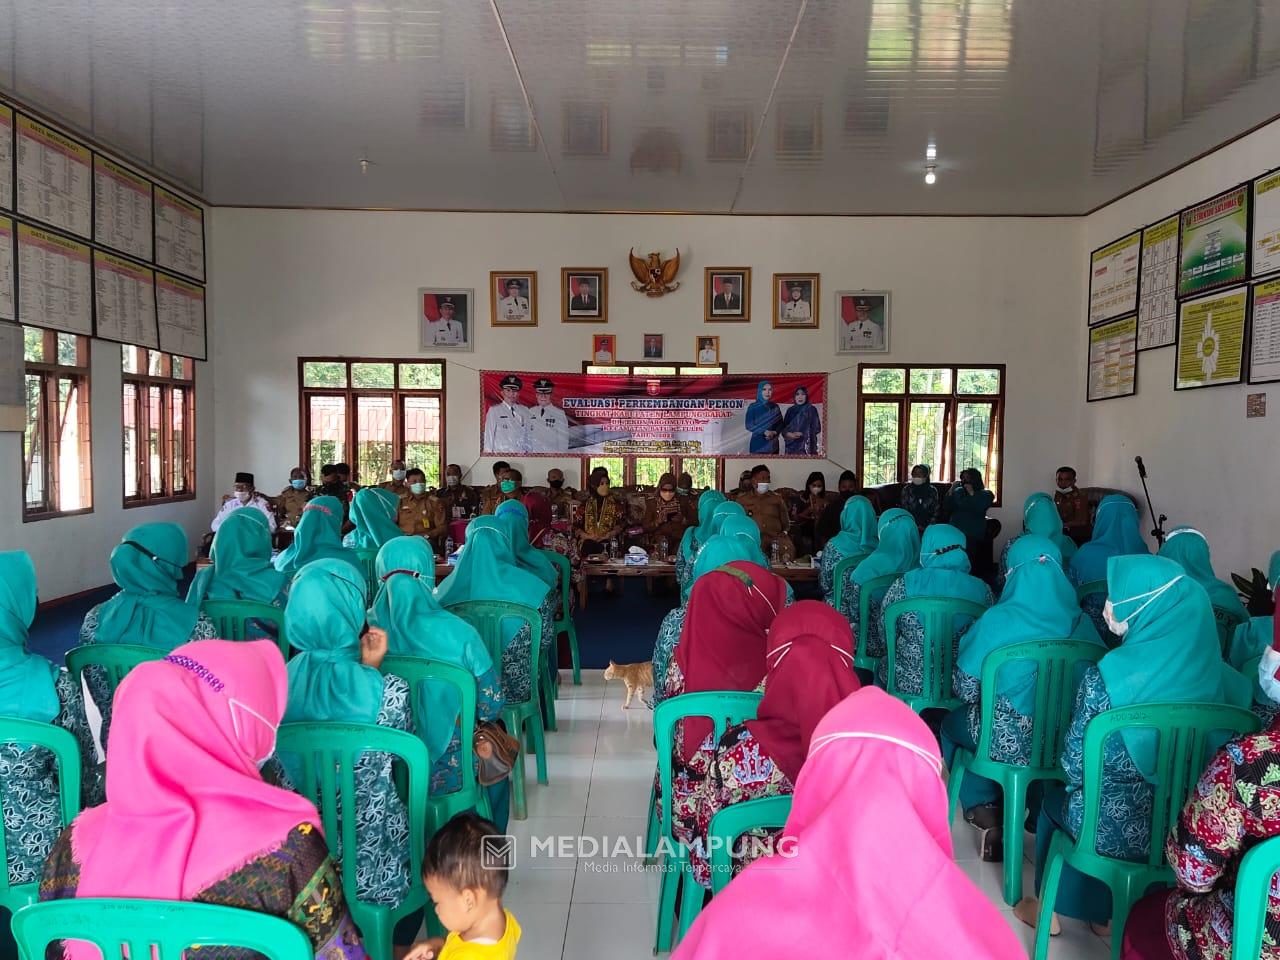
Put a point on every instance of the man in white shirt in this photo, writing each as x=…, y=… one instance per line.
x=707, y=352
x=513, y=308
x=447, y=332
x=604, y=352
x=548, y=425
x=244, y=496
x=506, y=424
x=864, y=333
x=796, y=309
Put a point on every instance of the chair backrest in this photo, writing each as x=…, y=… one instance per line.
x=1227, y=621
x=1089, y=589
x=1186, y=740
x=368, y=557
x=236, y=619
x=1252, y=897
x=938, y=619
x=1058, y=665
x=723, y=707
x=562, y=565
x=66, y=754
x=157, y=929
x=114, y=659
x=488, y=616
x=866, y=597
x=840, y=578
x=732, y=822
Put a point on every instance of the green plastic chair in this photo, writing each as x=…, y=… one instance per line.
x=1252, y=896
x=1186, y=741
x=840, y=577
x=861, y=659
x=1058, y=665
x=115, y=660
x=1227, y=621
x=724, y=708
x=522, y=719
x=564, y=622
x=1089, y=589
x=66, y=753
x=234, y=620
x=937, y=616
x=732, y=822
x=418, y=670
x=159, y=929
x=368, y=558
x=327, y=753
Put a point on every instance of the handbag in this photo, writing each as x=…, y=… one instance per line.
x=503, y=751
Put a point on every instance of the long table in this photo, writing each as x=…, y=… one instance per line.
x=792, y=573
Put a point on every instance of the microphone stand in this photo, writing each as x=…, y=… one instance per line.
x=1158, y=530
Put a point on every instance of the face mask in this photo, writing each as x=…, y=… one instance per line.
x=555, y=484
x=667, y=494
x=1267, y=667
x=917, y=480
x=683, y=491
x=417, y=489
x=243, y=496
x=1067, y=489
x=816, y=491
x=602, y=489
x=1118, y=627
x=507, y=486
x=298, y=484
x=397, y=475
x=762, y=488
x=237, y=723
x=450, y=481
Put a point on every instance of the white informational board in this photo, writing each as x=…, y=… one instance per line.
x=7, y=306
x=179, y=235
x=121, y=209
x=55, y=178
x=1266, y=224
x=124, y=306
x=55, y=282
x=1157, y=299
x=1113, y=278
x=1113, y=355
x=6, y=157
x=180, y=309
x=1264, y=351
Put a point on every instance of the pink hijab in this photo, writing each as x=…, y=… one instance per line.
x=871, y=874
x=186, y=805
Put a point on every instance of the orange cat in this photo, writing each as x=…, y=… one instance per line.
x=637, y=676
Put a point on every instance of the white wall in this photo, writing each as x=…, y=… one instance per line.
x=291, y=283
x=1209, y=465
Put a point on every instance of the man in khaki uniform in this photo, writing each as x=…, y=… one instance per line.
x=399, y=482
x=769, y=511
x=421, y=515
x=490, y=495
x=562, y=498
x=293, y=498
x=459, y=502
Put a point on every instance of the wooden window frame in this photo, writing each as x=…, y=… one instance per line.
x=51, y=373
x=350, y=395
x=142, y=383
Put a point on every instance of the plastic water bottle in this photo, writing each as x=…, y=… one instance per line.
x=613, y=549
x=774, y=553
x=662, y=548
x=448, y=547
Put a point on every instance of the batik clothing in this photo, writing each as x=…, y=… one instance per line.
x=664, y=647
x=296, y=881
x=29, y=786
x=909, y=641
x=446, y=772
x=559, y=539
x=515, y=656
x=601, y=518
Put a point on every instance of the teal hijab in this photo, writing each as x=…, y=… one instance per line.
x=487, y=569
x=1190, y=550
x=417, y=626
x=26, y=679
x=374, y=511
x=324, y=620
x=722, y=512
x=1170, y=653
x=1040, y=516
x=857, y=536
x=694, y=537
x=897, y=551
x=318, y=537
x=716, y=553
x=241, y=556
x=1255, y=636
x=745, y=529
x=1115, y=533
x=944, y=568
x=529, y=557
x=147, y=566
x=1038, y=603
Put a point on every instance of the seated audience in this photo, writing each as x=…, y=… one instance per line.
x=188, y=816
x=374, y=511
x=805, y=508
x=744, y=529
x=695, y=535
x=769, y=511
x=897, y=551
x=460, y=502
x=399, y=482
x=745, y=485
x=1073, y=506
x=664, y=519
x=420, y=514
x=867, y=869
x=601, y=519
x=943, y=572
x=1038, y=603
x=1040, y=519
x=528, y=557
x=1188, y=547
x=503, y=484
x=245, y=496
x=1115, y=534
x=562, y=498
x=966, y=506
x=343, y=470
x=856, y=538
x=1250, y=641
x=241, y=568
x=920, y=497
x=547, y=532
x=317, y=538
x=828, y=522
x=685, y=487
x=291, y=500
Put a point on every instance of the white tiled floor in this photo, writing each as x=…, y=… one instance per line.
x=600, y=764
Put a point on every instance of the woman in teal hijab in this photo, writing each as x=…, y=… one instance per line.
x=373, y=511
x=318, y=537
x=722, y=512
x=242, y=568
x=1188, y=547
x=745, y=529
x=943, y=572
x=333, y=678
x=1169, y=654
x=1038, y=603
x=147, y=566
x=1039, y=517
x=1248, y=642
x=487, y=570
x=857, y=538
x=417, y=626
x=514, y=514
x=32, y=688
x=695, y=536
x=1115, y=533
x=896, y=552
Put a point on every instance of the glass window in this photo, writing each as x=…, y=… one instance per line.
x=925, y=433
x=327, y=432
x=33, y=344
x=973, y=441
x=615, y=466
x=422, y=429
x=931, y=380
x=324, y=373
x=880, y=443
x=157, y=422
x=373, y=376
x=156, y=364
x=129, y=421
x=57, y=457
x=884, y=380
x=421, y=376
x=129, y=359
x=68, y=350
x=650, y=469
x=702, y=469
x=373, y=438
x=978, y=381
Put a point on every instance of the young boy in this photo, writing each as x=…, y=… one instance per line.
x=466, y=891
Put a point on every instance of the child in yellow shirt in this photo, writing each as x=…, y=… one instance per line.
x=465, y=874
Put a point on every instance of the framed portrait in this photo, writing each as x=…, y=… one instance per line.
x=446, y=317
x=584, y=294
x=586, y=129
x=604, y=349
x=862, y=321
x=513, y=298
x=727, y=294
x=653, y=346
x=795, y=301
x=728, y=133
x=707, y=351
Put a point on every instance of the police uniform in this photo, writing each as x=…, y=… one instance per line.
x=422, y=516
x=506, y=425
x=513, y=306
x=796, y=310
x=548, y=425
x=863, y=334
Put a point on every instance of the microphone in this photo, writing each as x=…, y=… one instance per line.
x=1142, y=467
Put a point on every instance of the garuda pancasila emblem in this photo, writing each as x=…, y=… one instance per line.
x=655, y=276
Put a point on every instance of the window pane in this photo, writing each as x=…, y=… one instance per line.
x=702, y=469
x=368, y=376
x=155, y=363
x=973, y=439
x=421, y=376
x=129, y=359
x=373, y=439
x=884, y=380
x=68, y=350
x=155, y=449
x=617, y=473
x=328, y=432
x=74, y=489
x=978, y=381
x=650, y=469
x=654, y=371
x=924, y=436
x=181, y=368
x=700, y=371
x=33, y=444
x=324, y=373
x=931, y=381
x=178, y=442
x=422, y=436
x=129, y=421
x=33, y=344
x=879, y=443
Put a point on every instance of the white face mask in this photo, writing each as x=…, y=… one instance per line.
x=1121, y=627
x=1267, y=667
x=816, y=491
x=235, y=726
x=917, y=480
x=1067, y=489
x=762, y=488
x=243, y=496
x=1118, y=627
x=397, y=474
x=451, y=481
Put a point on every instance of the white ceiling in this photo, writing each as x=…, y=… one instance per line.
x=745, y=106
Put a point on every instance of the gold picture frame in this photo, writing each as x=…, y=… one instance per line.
x=706, y=342
x=787, y=316
x=503, y=313
x=573, y=309
x=726, y=312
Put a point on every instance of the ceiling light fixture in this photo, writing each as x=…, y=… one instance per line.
x=930, y=173
x=931, y=152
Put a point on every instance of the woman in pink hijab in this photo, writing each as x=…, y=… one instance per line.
x=188, y=817
x=870, y=872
